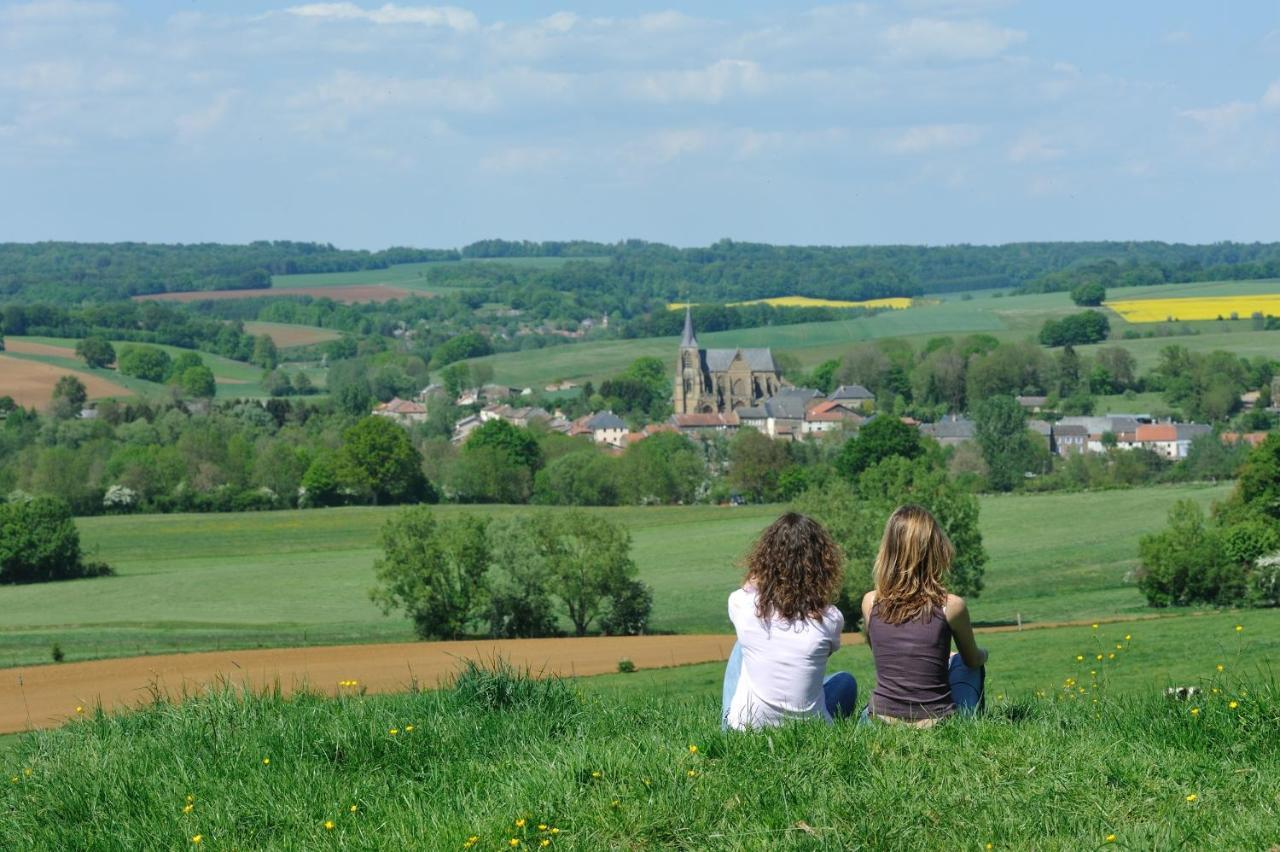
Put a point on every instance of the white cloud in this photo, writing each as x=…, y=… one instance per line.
x=524, y=159
x=1271, y=98
x=1034, y=148
x=1176, y=38
x=934, y=137
x=390, y=13
x=1222, y=119
x=710, y=85
x=931, y=38
x=192, y=125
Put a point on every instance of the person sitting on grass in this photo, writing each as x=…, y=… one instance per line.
x=787, y=629
x=911, y=621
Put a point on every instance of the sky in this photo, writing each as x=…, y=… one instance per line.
x=371, y=124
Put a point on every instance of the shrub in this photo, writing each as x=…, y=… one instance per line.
x=631, y=604
x=39, y=542
x=625, y=666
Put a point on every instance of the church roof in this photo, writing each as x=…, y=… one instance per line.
x=688, y=339
x=759, y=360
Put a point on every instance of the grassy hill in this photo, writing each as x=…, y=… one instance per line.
x=290, y=578
x=499, y=762
x=1005, y=317
x=235, y=379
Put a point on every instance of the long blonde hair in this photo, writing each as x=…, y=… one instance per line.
x=915, y=556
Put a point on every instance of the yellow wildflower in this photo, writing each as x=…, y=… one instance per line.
x=1220, y=667
x=513, y=842
x=197, y=839
x=615, y=803
x=14, y=779
x=1191, y=797
x=266, y=761
x=188, y=808
x=354, y=808
x=1079, y=658
x=520, y=823
x=27, y=772
x=555, y=830
x=544, y=842
x=1127, y=637
x=79, y=709
x=596, y=774
x=1111, y=838
x=471, y=841
x=1111, y=656
x=190, y=799
x=328, y=825
x=1234, y=704
x=1119, y=646
x=1099, y=656
x=408, y=728
x=693, y=749
x=393, y=731
x=1239, y=628
x=1195, y=711
x=692, y=773
x=542, y=826
x=1094, y=625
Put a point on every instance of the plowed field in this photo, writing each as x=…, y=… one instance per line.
x=360, y=293
x=30, y=383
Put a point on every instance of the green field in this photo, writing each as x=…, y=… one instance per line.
x=196, y=582
x=1007, y=318
x=235, y=379
x=499, y=762
x=411, y=276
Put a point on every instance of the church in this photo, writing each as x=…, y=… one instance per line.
x=710, y=381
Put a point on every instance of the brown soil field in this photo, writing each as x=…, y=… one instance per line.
x=30, y=383
x=291, y=335
x=47, y=696
x=357, y=293
x=30, y=347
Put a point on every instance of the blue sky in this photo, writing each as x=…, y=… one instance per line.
x=370, y=124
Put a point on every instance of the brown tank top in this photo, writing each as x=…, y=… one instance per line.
x=912, y=661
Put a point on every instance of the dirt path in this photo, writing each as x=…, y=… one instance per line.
x=47, y=695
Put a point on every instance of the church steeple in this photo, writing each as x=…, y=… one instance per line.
x=688, y=340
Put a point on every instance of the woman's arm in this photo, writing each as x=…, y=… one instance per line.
x=962, y=630
x=868, y=601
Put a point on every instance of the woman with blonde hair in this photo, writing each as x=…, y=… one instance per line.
x=787, y=629
x=911, y=622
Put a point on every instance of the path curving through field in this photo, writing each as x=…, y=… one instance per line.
x=47, y=695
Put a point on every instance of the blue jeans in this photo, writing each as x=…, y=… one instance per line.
x=839, y=690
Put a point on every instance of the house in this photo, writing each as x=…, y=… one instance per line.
x=828, y=416
x=712, y=422
x=522, y=417
x=1249, y=401
x=464, y=427
x=950, y=431
x=1122, y=426
x=607, y=428
x=1170, y=440
x=403, y=411
x=1042, y=429
x=1034, y=404
x=854, y=396
x=781, y=415
x=1069, y=439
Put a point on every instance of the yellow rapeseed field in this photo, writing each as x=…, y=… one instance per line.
x=897, y=303
x=1160, y=310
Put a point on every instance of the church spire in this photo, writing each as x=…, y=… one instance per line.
x=688, y=340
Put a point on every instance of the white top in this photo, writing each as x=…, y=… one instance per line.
x=783, y=664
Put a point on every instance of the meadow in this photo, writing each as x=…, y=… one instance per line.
x=897, y=303
x=1006, y=317
x=301, y=577
x=502, y=762
x=235, y=379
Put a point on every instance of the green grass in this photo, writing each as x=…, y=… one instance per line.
x=301, y=577
x=235, y=379
x=498, y=757
x=411, y=276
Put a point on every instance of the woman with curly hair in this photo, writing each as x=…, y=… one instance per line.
x=911, y=622
x=787, y=628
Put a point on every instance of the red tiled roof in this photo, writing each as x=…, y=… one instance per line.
x=1148, y=432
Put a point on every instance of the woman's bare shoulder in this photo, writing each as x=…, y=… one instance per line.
x=954, y=606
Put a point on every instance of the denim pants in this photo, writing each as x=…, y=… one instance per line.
x=839, y=690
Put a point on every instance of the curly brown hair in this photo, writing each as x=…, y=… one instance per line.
x=796, y=568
